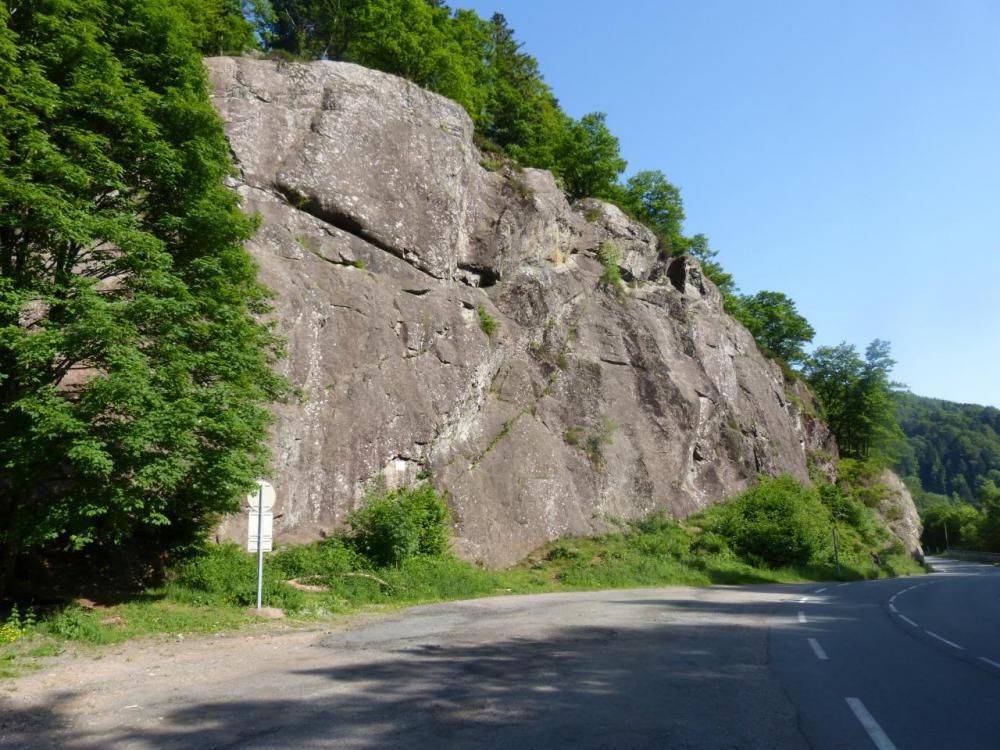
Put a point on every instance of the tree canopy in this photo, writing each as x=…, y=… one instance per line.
x=856, y=394
x=132, y=369
x=773, y=320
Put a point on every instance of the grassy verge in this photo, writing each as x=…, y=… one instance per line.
x=397, y=555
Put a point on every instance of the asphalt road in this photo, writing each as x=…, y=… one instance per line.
x=911, y=664
x=906, y=664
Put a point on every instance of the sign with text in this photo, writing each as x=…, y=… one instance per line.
x=266, y=525
x=261, y=500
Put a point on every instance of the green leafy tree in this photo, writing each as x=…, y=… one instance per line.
x=776, y=324
x=649, y=197
x=856, y=394
x=132, y=370
x=588, y=159
x=221, y=27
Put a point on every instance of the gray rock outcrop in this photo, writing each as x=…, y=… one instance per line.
x=388, y=244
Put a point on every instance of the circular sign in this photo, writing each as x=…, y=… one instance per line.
x=264, y=495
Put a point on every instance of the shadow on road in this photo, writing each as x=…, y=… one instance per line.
x=703, y=684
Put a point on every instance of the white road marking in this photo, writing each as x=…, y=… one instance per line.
x=841, y=585
x=989, y=661
x=818, y=650
x=803, y=600
x=907, y=619
x=880, y=738
x=802, y=616
x=893, y=607
x=944, y=640
x=820, y=591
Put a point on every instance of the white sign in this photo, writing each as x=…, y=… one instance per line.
x=264, y=496
x=266, y=528
x=254, y=498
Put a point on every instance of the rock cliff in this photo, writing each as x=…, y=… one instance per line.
x=388, y=245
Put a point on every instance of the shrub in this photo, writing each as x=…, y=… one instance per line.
x=394, y=526
x=487, y=322
x=778, y=522
x=610, y=257
x=225, y=574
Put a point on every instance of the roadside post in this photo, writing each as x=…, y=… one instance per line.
x=946, y=545
x=260, y=529
x=836, y=549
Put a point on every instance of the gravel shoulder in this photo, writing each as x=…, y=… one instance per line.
x=675, y=667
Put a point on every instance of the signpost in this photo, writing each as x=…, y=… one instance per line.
x=260, y=529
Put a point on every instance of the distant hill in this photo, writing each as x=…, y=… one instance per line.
x=950, y=448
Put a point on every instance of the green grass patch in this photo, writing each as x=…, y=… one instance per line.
x=396, y=554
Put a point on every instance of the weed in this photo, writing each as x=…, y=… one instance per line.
x=487, y=322
x=592, y=215
x=610, y=257
x=359, y=264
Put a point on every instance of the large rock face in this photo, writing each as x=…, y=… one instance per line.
x=385, y=241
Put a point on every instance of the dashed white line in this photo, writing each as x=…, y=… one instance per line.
x=990, y=662
x=944, y=640
x=841, y=585
x=802, y=616
x=820, y=591
x=818, y=650
x=907, y=619
x=893, y=607
x=804, y=599
x=880, y=738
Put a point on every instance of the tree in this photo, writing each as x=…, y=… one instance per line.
x=132, y=370
x=775, y=323
x=221, y=26
x=588, y=159
x=856, y=395
x=650, y=198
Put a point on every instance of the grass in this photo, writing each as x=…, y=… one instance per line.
x=487, y=323
x=721, y=545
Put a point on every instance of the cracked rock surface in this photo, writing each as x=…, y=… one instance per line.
x=383, y=239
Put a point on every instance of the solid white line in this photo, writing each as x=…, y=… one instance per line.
x=944, y=640
x=989, y=661
x=820, y=591
x=881, y=740
x=802, y=616
x=893, y=607
x=818, y=650
x=907, y=619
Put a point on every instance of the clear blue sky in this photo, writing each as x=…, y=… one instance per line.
x=844, y=153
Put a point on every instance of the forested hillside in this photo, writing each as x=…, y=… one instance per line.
x=952, y=448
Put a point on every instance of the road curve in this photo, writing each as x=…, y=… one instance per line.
x=768, y=667
x=907, y=663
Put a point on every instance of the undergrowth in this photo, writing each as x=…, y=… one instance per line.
x=396, y=553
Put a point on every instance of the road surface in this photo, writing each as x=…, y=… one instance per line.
x=907, y=663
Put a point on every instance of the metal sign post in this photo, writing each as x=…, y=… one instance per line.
x=260, y=529
x=836, y=550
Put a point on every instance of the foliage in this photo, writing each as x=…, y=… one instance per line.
x=952, y=448
x=775, y=323
x=132, y=370
x=955, y=525
x=588, y=158
x=487, y=322
x=227, y=575
x=392, y=527
x=221, y=27
x=778, y=522
x=856, y=395
x=611, y=257
x=650, y=198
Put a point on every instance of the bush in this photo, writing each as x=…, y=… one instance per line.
x=225, y=574
x=487, y=322
x=394, y=526
x=779, y=522
x=611, y=258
